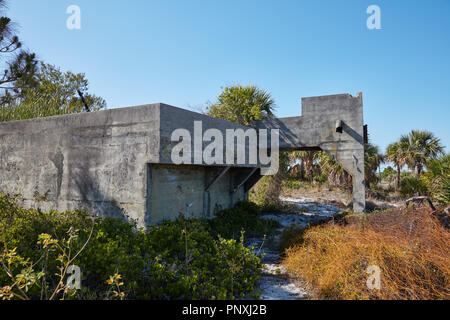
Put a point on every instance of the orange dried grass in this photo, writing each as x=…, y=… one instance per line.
x=410, y=247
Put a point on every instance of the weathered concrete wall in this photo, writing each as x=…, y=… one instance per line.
x=172, y=118
x=95, y=161
x=100, y=161
x=181, y=189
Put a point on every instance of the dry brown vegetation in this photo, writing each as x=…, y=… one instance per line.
x=410, y=246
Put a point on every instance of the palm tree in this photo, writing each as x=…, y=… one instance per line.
x=422, y=146
x=372, y=160
x=242, y=104
x=397, y=154
x=307, y=159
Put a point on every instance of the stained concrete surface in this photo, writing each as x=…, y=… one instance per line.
x=117, y=162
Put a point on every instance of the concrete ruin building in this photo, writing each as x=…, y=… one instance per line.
x=117, y=162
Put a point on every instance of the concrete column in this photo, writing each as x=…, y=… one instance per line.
x=352, y=160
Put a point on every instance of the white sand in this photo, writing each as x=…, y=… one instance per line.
x=276, y=283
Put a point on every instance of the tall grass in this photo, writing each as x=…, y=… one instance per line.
x=410, y=247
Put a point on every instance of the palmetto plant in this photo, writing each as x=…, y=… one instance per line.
x=438, y=178
x=372, y=160
x=307, y=159
x=336, y=174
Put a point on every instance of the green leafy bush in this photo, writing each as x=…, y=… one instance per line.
x=238, y=264
x=437, y=178
x=179, y=259
x=444, y=194
x=266, y=193
x=413, y=186
x=291, y=184
x=244, y=216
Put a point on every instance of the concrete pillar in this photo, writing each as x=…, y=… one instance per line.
x=352, y=160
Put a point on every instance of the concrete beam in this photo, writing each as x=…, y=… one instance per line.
x=245, y=178
x=252, y=180
x=217, y=177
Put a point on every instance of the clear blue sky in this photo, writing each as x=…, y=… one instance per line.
x=182, y=52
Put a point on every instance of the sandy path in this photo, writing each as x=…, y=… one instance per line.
x=276, y=284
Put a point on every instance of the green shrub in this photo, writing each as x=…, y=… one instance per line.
x=291, y=184
x=20, y=228
x=244, y=216
x=437, y=178
x=413, y=186
x=267, y=191
x=444, y=194
x=239, y=266
x=291, y=236
x=179, y=259
x=322, y=178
